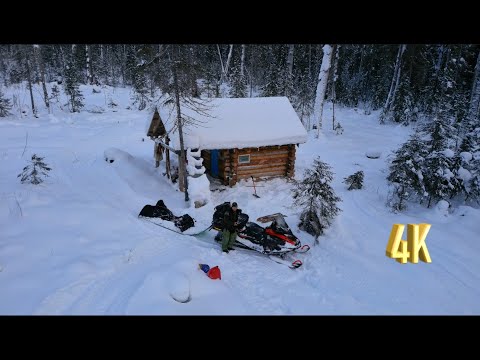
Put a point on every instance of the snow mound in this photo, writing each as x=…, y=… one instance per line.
x=464, y=174
x=112, y=154
x=442, y=207
x=199, y=189
x=466, y=156
x=373, y=154
x=94, y=109
x=449, y=153
x=178, y=287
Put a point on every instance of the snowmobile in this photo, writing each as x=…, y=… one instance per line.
x=275, y=239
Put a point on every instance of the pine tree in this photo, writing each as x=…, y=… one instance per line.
x=402, y=109
x=140, y=88
x=473, y=185
x=33, y=172
x=467, y=169
x=316, y=197
x=72, y=89
x=271, y=86
x=338, y=128
x=440, y=181
x=238, y=83
x=5, y=105
x=354, y=181
x=55, y=93
x=406, y=173
x=304, y=99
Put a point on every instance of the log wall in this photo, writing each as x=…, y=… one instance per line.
x=266, y=161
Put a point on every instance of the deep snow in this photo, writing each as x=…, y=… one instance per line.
x=74, y=244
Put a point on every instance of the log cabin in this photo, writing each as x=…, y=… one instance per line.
x=237, y=137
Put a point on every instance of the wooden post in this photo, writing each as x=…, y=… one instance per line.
x=167, y=157
x=181, y=174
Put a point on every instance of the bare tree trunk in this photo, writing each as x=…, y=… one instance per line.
x=290, y=59
x=224, y=72
x=395, y=80
x=182, y=171
x=89, y=65
x=221, y=62
x=167, y=157
x=242, y=63
x=228, y=59
x=322, y=85
x=123, y=65
x=192, y=74
x=309, y=61
x=112, y=64
x=334, y=82
x=63, y=60
x=30, y=85
x=474, y=108
x=37, y=48
x=101, y=53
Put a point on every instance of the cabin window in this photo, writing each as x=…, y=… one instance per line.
x=244, y=159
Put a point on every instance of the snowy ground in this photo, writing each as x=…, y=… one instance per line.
x=74, y=244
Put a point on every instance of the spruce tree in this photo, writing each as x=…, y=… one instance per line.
x=317, y=199
x=271, y=86
x=33, y=172
x=5, y=105
x=467, y=168
x=354, y=181
x=238, y=83
x=140, y=88
x=75, y=97
x=402, y=110
x=406, y=173
x=304, y=100
x=473, y=187
x=440, y=180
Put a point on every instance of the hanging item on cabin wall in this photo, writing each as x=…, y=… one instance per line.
x=158, y=154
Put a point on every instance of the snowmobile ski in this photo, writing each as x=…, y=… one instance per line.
x=291, y=264
x=303, y=249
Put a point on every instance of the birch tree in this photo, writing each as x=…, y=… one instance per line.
x=291, y=48
x=474, y=107
x=183, y=182
x=37, y=52
x=322, y=85
x=29, y=81
x=394, y=83
x=224, y=67
x=88, y=53
x=334, y=82
x=242, y=62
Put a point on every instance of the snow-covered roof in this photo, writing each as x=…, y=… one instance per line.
x=238, y=123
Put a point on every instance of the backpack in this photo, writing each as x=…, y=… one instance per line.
x=184, y=222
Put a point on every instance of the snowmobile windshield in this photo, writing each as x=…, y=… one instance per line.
x=280, y=224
